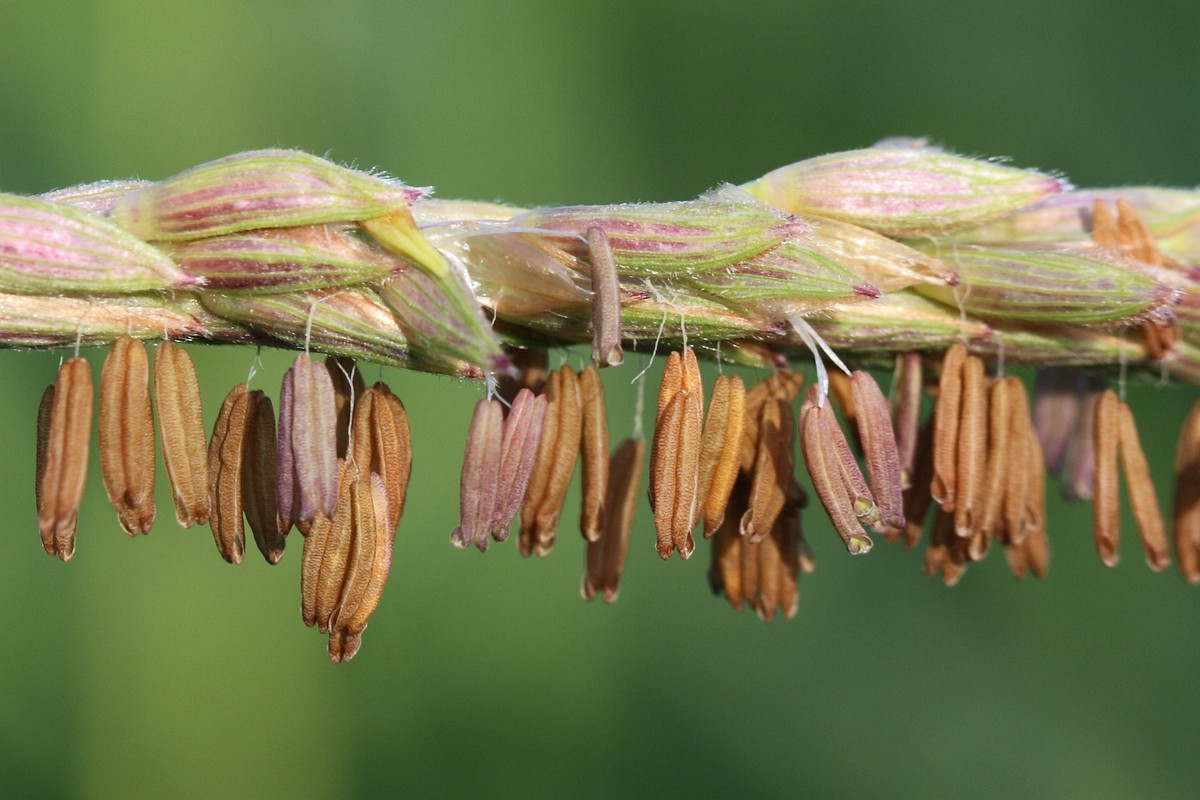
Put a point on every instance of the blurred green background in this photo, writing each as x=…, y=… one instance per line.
x=151, y=668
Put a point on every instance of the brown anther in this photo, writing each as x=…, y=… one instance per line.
x=478, y=481
x=335, y=558
x=675, y=480
x=593, y=451
x=1142, y=498
x=907, y=388
x=556, y=456
x=260, y=476
x=348, y=389
x=1022, y=490
x=1186, y=516
x=879, y=448
x=522, y=435
x=794, y=555
x=606, y=301
x=770, y=575
x=999, y=464
x=971, y=464
x=720, y=449
x=773, y=466
x=127, y=435
x=945, y=433
x=181, y=427
x=381, y=443
x=1106, y=497
x=606, y=555
x=225, y=461
x=63, y=457
x=725, y=572
x=352, y=621
x=819, y=439
x=369, y=524
x=783, y=385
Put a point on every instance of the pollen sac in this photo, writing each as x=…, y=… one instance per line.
x=49, y=248
x=555, y=463
x=127, y=435
x=477, y=485
x=720, y=449
x=593, y=451
x=605, y=558
x=519, y=447
x=226, y=454
x=181, y=426
x=382, y=445
x=253, y=190
x=903, y=191
x=260, y=463
x=675, y=455
x=823, y=446
x=1186, y=514
x=307, y=443
x=64, y=431
x=772, y=471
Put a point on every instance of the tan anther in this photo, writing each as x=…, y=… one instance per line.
x=1019, y=489
x=772, y=470
x=793, y=553
x=720, y=449
x=606, y=555
x=382, y=444
x=991, y=521
x=770, y=576
x=181, y=427
x=1142, y=498
x=946, y=421
x=880, y=453
x=725, y=572
x=335, y=559
x=225, y=461
x=907, y=388
x=593, y=451
x=127, y=435
x=1186, y=516
x=63, y=471
x=783, y=385
x=259, y=478
x=606, y=301
x=348, y=389
x=1106, y=497
x=971, y=464
x=675, y=480
x=556, y=457
x=369, y=523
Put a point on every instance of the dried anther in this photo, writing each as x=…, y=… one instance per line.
x=606, y=554
x=907, y=386
x=772, y=471
x=1106, y=498
x=1186, y=517
x=720, y=449
x=307, y=444
x=1142, y=498
x=555, y=462
x=675, y=455
x=181, y=426
x=945, y=431
x=64, y=430
x=879, y=448
x=821, y=441
x=382, y=444
x=593, y=451
x=477, y=484
x=127, y=435
x=260, y=477
x=606, y=301
x=972, y=449
x=225, y=462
